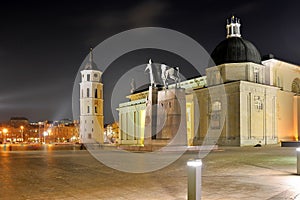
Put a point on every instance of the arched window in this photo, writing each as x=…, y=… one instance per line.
x=256, y=75
x=96, y=93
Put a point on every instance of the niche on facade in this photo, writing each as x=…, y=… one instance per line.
x=215, y=115
x=258, y=103
x=296, y=86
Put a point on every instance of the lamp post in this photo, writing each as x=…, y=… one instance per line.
x=194, y=179
x=298, y=160
x=40, y=123
x=22, y=137
x=49, y=134
x=5, y=132
x=45, y=134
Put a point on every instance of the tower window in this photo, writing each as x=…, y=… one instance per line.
x=88, y=78
x=96, y=110
x=96, y=93
x=88, y=109
x=88, y=92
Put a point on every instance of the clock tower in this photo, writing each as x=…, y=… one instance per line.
x=91, y=103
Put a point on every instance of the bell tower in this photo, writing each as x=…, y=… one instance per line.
x=91, y=103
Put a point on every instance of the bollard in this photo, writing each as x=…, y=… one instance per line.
x=194, y=179
x=298, y=160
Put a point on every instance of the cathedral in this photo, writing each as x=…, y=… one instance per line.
x=244, y=99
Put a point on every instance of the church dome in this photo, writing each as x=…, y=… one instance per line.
x=234, y=48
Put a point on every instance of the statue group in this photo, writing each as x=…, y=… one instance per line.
x=167, y=73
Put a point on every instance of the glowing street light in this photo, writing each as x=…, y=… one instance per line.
x=45, y=134
x=5, y=130
x=194, y=179
x=22, y=129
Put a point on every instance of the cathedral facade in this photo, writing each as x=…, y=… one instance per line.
x=244, y=99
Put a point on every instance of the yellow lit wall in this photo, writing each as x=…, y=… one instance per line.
x=285, y=113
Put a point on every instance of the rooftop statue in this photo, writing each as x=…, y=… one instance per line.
x=154, y=73
x=133, y=87
x=170, y=73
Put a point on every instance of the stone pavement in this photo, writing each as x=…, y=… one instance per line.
x=228, y=173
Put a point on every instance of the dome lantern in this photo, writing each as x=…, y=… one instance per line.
x=234, y=49
x=233, y=27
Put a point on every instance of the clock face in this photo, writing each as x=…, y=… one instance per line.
x=95, y=75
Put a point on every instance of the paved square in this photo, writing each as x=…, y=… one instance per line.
x=228, y=173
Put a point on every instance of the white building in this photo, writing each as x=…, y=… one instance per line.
x=91, y=104
x=260, y=103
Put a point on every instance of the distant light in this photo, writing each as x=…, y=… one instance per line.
x=73, y=138
x=298, y=149
x=194, y=163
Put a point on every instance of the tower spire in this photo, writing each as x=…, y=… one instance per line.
x=90, y=65
x=233, y=27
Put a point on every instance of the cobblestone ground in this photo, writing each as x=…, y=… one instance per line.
x=228, y=173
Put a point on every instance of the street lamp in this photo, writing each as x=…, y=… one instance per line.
x=40, y=123
x=5, y=132
x=45, y=134
x=22, y=128
x=194, y=179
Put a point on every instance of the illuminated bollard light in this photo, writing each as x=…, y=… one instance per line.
x=298, y=160
x=194, y=179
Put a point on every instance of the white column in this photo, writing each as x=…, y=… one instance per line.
x=194, y=179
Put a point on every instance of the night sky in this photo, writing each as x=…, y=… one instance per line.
x=42, y=45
